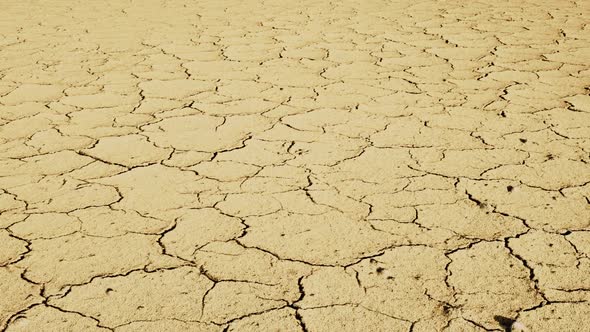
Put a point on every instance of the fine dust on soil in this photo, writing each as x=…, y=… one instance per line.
x=313, y=165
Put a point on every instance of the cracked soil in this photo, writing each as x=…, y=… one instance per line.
x=313, y=165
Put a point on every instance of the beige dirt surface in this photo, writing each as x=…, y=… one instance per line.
x=312, y=165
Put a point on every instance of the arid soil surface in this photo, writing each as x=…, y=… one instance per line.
x=313, y=165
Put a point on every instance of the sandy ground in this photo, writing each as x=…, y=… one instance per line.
x=314, y=165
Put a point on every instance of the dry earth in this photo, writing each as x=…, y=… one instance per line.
x=313, y=165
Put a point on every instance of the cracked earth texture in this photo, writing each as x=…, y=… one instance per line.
x=308, y=165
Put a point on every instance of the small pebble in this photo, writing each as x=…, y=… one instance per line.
x=518, y=327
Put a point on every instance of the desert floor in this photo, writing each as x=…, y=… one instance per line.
x=313, y=165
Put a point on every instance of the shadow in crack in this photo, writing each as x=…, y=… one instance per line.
x=505, y=322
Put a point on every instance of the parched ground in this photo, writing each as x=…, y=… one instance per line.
x=309, y=165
